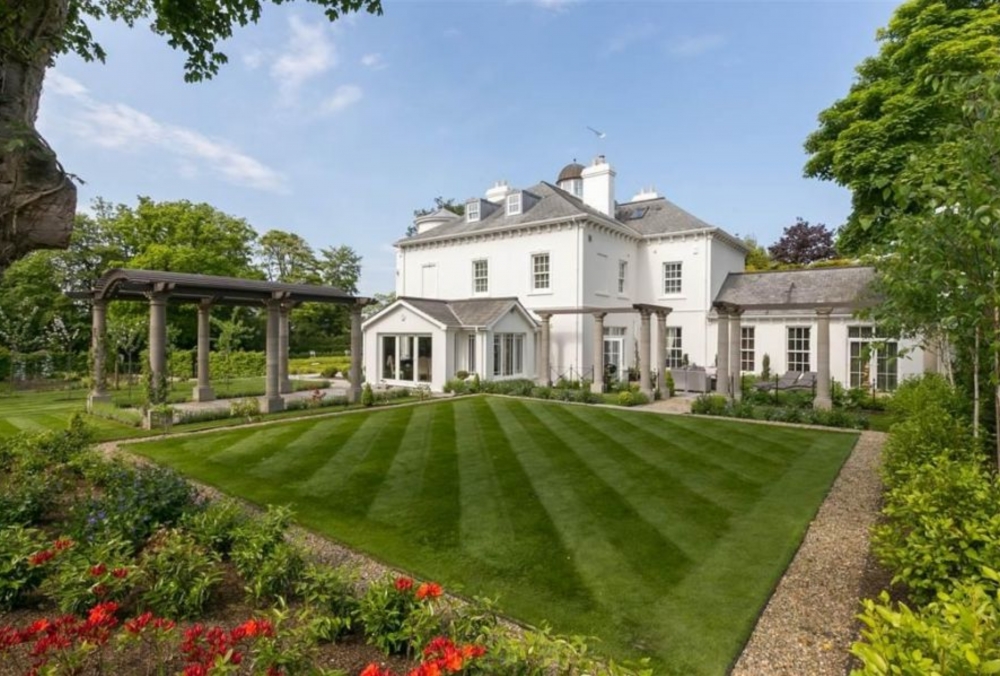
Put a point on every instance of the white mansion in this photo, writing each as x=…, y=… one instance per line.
x=548, y=282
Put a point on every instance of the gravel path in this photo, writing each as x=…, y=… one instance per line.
x=810, y=622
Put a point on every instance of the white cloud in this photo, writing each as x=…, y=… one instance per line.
x=119, y=126
x=309, y=53
x=254, y=58
x=695, y=45
x=628, y=36
x=554, y=5
x=373, y=61
x=343, y=97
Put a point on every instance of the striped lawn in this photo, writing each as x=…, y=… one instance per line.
x=660, y=535
x=39, y=411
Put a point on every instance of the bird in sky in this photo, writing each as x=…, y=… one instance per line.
x=599, y=134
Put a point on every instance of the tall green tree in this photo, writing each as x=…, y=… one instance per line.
x=340, y=266
x=940, y=279
x=287, y=257
x=893, y=109
x=439, y=203
x=37, y=196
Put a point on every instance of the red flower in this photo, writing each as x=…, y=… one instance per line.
x=120, y=573
x=195, y=670
x=438, y=645
x=62, y=543
x=255, y=627
x=404, y=584
x=39, y=558
x=98, y=570
x=473, y=651
x=274, y=671
x=374, y=670
x=429, y=590
x=164, y=624
x=136, y=625
x=103, y=613
x=100, y=590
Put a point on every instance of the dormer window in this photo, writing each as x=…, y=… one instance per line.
x=472, y=212
x=514, y=204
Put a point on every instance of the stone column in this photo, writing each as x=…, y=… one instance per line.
x=598, y=385
x=735, y=354
x=644, y=360
x=357, y=355
x=660, y=353
x=722, y=355
x=543, y=353
x=98, y=340
x=203, y=391
x=284, y=384
x=158, y=337
x=272, y=401
x=823, y=400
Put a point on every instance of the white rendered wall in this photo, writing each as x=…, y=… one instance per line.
x=510, y=275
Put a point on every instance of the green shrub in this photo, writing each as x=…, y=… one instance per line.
x=87, y=574
x=25, y=498
x=367, y=396
x=20, y=574
x=177, y=575
x=387, y=611
x=709, y=404
x=245, y=408
x=237, y=364
x=329, y=589
x=215, y=527
x=916, y=395
x=180, y=363
x=668, y=382
x=626, y=398
x=941, y=526
x=765, y=367
x=135, y=501
x=456, y=385
x=461, y=375
x=269, y=565
x=920, y=438
x=330, y=372
x=957, y=633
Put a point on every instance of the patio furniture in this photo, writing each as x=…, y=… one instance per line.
x=806, y=381
x=690, y=379
x=785, y=382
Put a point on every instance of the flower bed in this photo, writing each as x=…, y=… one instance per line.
x=114, y=568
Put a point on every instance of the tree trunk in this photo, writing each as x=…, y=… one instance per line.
x=975, y=386
x=37, y=198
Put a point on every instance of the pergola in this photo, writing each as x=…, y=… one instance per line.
x=654, y=353
x=820, y=290
x=160, y=288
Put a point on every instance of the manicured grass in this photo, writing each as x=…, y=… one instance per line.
x=180, y=390
x=662, y=535
x=38, y=411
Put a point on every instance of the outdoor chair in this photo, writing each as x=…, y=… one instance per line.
x=806, y=381
x=785, y=382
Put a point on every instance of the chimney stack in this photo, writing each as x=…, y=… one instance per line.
x=599, y=186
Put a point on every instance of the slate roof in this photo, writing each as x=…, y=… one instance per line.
x=647, y=217
x=658, y=216
x=464, y=313
x=799, y=289
x=553, y=203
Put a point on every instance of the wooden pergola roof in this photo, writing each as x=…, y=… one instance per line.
x=182, y=287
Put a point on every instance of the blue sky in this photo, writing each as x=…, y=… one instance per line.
x=338, y=132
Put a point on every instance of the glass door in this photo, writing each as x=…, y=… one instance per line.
x=613, y=349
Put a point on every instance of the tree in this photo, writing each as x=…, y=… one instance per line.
x=803, y=243
x=340, y=267
x=941, y=278
x=286, y=257
x=379, y=301
x=757, y=257
x=893, y=109
x=439, y=203
x=37, y=196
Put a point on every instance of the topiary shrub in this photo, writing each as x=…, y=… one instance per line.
x=367, y=396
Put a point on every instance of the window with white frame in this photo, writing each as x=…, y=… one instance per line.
x=672, y=277
x=869, y=353
x=798, y=348
x=472, y=211
x=407, y=357
x=622, y=275
x=540, y=272
x=471, y=361
x=514, y=204
x=508, y=354
x=748, y=362
x=480, y=276
x=674, y=348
